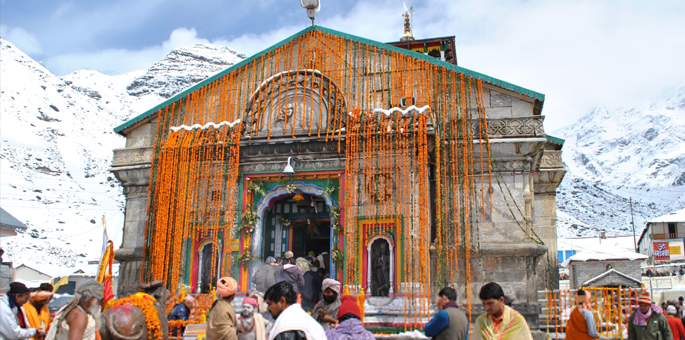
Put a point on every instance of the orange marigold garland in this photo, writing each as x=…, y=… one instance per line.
x=145, y=303
x=195, y=172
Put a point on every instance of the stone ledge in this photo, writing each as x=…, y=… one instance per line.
x=132, y=156
x=128, y=254
x=516, y=249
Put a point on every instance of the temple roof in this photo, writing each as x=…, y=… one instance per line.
x=539, y=97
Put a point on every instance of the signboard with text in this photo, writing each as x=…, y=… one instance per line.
x=662, y=251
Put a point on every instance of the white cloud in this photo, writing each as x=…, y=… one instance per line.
x=119, y=61
x=580, y=54
x=22, y=39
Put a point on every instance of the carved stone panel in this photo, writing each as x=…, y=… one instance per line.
x=551, y=159
x=294, y=102
x=132, y=156
x=510, y=127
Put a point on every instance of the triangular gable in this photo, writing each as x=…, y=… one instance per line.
x=539, y=97
x=611, y=272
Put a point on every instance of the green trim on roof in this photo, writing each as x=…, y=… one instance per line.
x=555, y=140
x=486, y=79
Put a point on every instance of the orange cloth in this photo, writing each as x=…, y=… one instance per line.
x=676, y=327
x=576, y=328
x=35, y=317
x=497, y=322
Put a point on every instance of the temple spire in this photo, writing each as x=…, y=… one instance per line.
x=407, y=36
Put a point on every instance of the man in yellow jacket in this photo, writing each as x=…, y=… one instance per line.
x=37, y=312
x=500, y=322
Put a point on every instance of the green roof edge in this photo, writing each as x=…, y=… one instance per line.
x=556, y=140
x=485, y=78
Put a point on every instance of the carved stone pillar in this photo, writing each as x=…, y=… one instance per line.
x=547, y=178
x=132, y=168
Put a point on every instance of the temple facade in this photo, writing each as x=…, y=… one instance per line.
x=402, y=172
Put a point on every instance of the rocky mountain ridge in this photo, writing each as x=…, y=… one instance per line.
x=613, y=156
x=57, y=143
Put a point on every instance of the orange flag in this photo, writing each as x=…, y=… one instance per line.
x=105, y=274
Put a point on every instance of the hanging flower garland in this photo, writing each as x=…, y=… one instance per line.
x=145, y=303
x=194, y=175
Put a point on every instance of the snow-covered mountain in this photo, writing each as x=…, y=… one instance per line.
x=173, y=75
x=613, y=156
x=56, y=146
x=57, y=140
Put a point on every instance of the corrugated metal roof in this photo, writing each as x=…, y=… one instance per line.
x=7, y=221
x=485, y=78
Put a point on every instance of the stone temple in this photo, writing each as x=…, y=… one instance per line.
x=403, y=170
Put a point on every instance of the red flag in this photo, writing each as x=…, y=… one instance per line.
x=105, y=274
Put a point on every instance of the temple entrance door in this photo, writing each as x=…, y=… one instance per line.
x=298, y=222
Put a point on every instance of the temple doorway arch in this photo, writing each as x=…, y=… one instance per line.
x=279, y=206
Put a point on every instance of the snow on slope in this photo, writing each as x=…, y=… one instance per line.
x=56, y=148
x=170, y=76
x=613, y=156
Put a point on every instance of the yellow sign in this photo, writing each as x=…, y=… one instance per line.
x=675, y=250
x=235, y=245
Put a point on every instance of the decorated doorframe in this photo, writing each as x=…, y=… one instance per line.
x=261, y=190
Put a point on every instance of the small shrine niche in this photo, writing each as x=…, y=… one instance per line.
x=380, y=261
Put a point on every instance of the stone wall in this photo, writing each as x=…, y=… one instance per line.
x=580, y=272
x=6, y=277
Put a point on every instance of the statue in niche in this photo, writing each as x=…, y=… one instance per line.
x=284, y=114
x=380, y=272
x=380, y=187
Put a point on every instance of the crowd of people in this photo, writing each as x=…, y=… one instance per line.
x=24, y=313
x=295, y=300
x=292, y=300
x=657, y=272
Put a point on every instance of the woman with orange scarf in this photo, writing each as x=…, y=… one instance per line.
x=581, y=323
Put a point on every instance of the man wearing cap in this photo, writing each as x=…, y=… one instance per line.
x=266, y=275
x=450, y=322
x=181, y=311
x=676, y=325
x=78, y=319
x=251, y=325
x=350, y=327
x=581, y=323
x=648, y=322
x=13, y=323
x=37, y=312
x=292, y=322
x=326, y=311
x=221, y=324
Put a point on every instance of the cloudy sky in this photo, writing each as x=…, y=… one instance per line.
x=579, y=53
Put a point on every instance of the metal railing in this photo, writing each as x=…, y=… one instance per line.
x=610, y=306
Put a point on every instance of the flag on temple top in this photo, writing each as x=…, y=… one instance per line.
x=105, y=273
